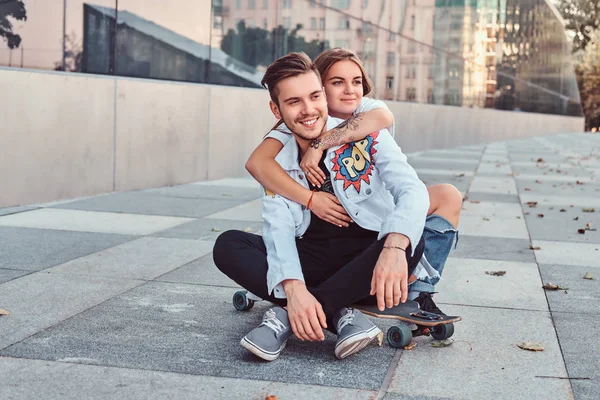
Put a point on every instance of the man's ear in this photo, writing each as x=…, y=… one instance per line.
x=274, y=109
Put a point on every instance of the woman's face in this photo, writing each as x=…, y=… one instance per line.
x=344, y=89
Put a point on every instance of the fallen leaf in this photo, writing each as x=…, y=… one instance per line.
x=4, y=312
x=474, y=201
x=527, y=190
x=527, y=213
x=215, y=229
x=460, y=175
x=563, y=210
x=540, y=160
x=531, y=346
x=540, y=215
x=248, y=229
x=227, y=194
x=496, y=273
x=518, y=217
x=531, y=203
x=535, y=248
x=537, y=181
x=579, y=183
x=410, y=346
x=576, y=219
x=271, y=397
x=581, y=230
x=590, y=210
x=586, y=276
x=552, y=286
x=486, y=219
x=442, y=343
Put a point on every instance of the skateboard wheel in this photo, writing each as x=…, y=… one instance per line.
x=399, y=336
x=442, y=332
x=241, y=302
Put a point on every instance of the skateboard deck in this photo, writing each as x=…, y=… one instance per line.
x=408, y=312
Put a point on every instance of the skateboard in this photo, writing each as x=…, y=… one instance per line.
x=439, y=326
x=243, y=300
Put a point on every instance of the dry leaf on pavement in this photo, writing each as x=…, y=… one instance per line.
x=496, y=273
x=540, y=215
x=442, y=343
x=215, y=230
x=588, y=276
x=581, y=230
x=590, y=210
x=411, y=346
x=531, y=203
x=531, y=346
x=271, y=397
x=552, y=286
x=4, y=312
x=535, y=248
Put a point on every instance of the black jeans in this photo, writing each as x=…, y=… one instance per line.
x=337, y=272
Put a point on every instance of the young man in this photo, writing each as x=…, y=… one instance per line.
x=313, y=268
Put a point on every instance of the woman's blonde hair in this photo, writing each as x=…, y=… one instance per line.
x=326, y=59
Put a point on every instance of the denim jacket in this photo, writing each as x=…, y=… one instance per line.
x=372, y=180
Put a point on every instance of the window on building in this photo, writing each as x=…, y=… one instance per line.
x=411, y=94
x=430, y=96
x=392, y=37
x=340, y=4
x=312, y=3
x=412, y=22
x=265, y=4
x=265, y=24
x=287, y=4
x=238, y=4
x=412, y=47
x=430, y=72
x=365, y=4
x=389, y=82
x=324, y=3
x=313, y=23
x=342, y=43
x=391, y=59
x=217, y=22
x=322, y=23
x=251, y=4
x=344, y=22
x=287, y=22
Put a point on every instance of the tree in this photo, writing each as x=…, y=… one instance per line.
x=582, y=19
x=73, y=55
x=588, y=79
x=13, y=9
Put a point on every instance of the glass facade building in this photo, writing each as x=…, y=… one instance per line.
x=503, y=54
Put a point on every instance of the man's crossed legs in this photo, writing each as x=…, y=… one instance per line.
x=337, y=273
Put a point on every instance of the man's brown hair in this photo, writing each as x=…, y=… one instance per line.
x=288, y=66
x=329, y=57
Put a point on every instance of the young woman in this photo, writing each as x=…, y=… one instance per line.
x=346, y=83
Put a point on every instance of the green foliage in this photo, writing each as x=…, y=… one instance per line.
x=582, y=18
x=13, y=9
x=256, y=46
x=588, y=79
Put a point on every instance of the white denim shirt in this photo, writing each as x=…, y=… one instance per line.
x=374, y=183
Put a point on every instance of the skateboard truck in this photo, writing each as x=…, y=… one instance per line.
x=427, y=315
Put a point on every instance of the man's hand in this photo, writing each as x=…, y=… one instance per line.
x=327, y=207
x=390, y=278
x=310, y=166
x=304, y=311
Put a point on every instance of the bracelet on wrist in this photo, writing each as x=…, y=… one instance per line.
x=395, y=247
x=310, y=200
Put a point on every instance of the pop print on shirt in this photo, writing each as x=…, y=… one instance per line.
x=353, y=162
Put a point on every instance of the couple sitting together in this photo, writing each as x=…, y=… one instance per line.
x=346, y=218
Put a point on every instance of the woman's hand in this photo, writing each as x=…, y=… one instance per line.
x=310, y=166
x=327, y=207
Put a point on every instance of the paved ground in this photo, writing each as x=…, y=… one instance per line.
x=117, y=296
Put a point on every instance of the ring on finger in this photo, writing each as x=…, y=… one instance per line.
x=307, y=172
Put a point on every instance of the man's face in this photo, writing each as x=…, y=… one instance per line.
x=302, y=105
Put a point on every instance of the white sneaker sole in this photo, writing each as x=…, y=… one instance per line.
x=257, y=351
x=354, y=344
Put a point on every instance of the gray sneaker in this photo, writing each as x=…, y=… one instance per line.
x=269, y=338
x=355, y=332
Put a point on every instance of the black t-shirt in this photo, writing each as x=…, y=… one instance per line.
x=323, y=230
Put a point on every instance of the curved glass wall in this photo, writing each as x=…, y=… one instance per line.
x=503, y=54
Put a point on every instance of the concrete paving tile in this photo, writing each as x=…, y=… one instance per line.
x=206, y=192
x=444, y=172
x=250, y=211
x=586, y=254
x=153, y=204
x=194, y=330
x=492, y=248
x=91, y=221
x=26, y=379
x=208, y=229
x=491, y=209
x=494, y=169
x=504, y=185
x=40, y=300
x=37, y=249
x=494, y=159
x=460, y=182
x=247, y=182
x=581, y=352
x=465, y=282
x=396, y=396
x=551, y=200
x=452, y=153
x=10, y=274
x=585, y=390
x=493, y=197
x=562, y=226
x=15, y=210
x=544, y=187
x=442, y=163
x=493, y=227
x=581, y=292
x=485, y=352
x=200, y=272
x=145, y=258
x=554, y=179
